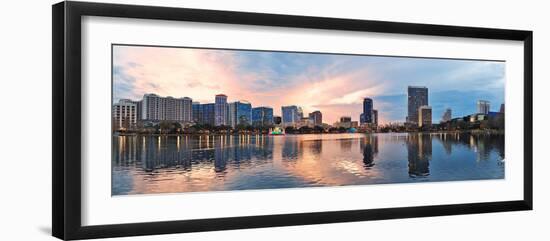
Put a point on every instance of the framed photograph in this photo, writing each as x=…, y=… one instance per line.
x=170, y=120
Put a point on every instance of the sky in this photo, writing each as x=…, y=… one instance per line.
x=334, y=84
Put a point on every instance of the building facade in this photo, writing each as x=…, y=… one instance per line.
x=262, y=116
x=157, y=108
x=243, y=113
x=197, y=112
x=291, y=115
x=232, y=115
x=366, y=117
x=483, y=106
x=447, y=115
x=208, y=114
x=316, y=118
x=417, y=96
x=424, y=116
x=221, y=108
x=124, y=115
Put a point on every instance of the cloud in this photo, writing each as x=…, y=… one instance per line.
x=333, y=84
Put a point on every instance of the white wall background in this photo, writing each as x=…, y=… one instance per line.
x=25, y=104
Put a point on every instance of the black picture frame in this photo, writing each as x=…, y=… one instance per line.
x=66, y=127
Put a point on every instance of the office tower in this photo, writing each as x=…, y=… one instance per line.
x=447, y=116
x=291, y=115
x=417, y=96
x=208, y=113
x=197, y=112
x=483, y=106
x=424, y=116
x=316, y=118
x=366, y=116
x=243, y=113
x=262, y=116
x=220, y=114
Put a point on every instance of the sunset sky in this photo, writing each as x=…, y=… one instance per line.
x=334, y=84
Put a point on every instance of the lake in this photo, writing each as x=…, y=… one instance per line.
x=173, y=164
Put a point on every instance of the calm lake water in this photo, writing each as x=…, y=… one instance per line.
x=170, y=164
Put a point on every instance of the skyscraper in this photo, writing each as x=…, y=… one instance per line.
x=424, y=116
x=316, y=118
x=483, y=106
x=243, y=113
x=501, y=108
x=417, y=96
x=447, y=116
x=220, y=114
x=197, y=112
x=262, y=116
x=291, y=115
x=366, y=117
x=208, y=113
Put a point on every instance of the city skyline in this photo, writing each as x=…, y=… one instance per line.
x=333, y=84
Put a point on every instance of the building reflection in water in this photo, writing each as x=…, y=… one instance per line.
x=192, y=163
x=419, y=147
x=369, y=147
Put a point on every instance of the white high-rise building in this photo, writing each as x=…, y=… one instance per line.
x=232, y=114
x=124, y=114
x=158, y=108
x=483, y=106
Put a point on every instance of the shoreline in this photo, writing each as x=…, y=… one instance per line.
x=495, y=132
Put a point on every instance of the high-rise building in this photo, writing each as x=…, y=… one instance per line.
x=124, y=115
x=424, y=116
x=243, y=113
x=345, y=121
x=375, y=117
x=447, y=116
x=197, y=112
x=220, y=114
x=184, y=109
x=417, y=96
x=208, y=113
x=262, y=116
x=138, y=106
x=291, y=115
x=152, y=107
x=156, y=108
x=232, y=114
x=483, y=106
x=501, y=108
x=316, y=118
x=366, y=116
